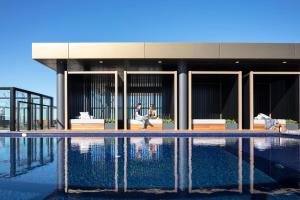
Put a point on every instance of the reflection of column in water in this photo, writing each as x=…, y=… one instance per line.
x=13, y=156
x=240, y=167
x=51, y=150
x=41, y=151
x=251, y=178
x=125, y=164
x=29, y=152
x=61, y=163
x=183, y=164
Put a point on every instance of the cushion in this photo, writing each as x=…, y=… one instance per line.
x=87, y=121
x=209, y=121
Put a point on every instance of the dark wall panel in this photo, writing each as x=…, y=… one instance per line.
x=206, y=101
x=230, y=99
x=277, y=95
x=285, y=99
x=261, y=98
x=214, y=97
x=246, y=105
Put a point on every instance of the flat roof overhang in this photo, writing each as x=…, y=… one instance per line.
x=49, y=53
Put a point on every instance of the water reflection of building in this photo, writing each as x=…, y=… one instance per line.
x=208, y=158
x=97, y=148
x=271, y=142
x=146, y=148
x=24, y=154
x=205, y=165
x=94, y=159
x=209, y=141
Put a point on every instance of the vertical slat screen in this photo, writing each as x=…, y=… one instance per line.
x=93, y=93
x=214, y=97
x=276, y=95
x=151, y=89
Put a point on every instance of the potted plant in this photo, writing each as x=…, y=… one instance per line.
x=231, y=124
x=109, y=124
x=168, y=124
x=292, y=124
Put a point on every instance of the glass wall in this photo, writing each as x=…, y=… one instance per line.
x=21, y=110
x=35, y=110
x=4, y=109
x=46, y=112
x=24, y=110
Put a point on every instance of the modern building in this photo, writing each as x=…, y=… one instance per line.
x=200, y=86
x=25, y=110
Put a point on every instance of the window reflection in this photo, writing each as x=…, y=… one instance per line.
x=24, y=154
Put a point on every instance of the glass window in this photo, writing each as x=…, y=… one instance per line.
x=21, y=110
x=35, y=112
x=4, y=109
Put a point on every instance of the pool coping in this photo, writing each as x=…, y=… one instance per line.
x=148, y=134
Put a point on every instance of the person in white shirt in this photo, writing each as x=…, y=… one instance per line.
x=138, y=116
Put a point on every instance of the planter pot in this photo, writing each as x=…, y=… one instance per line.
x=231, y=126
x=109, y=126
x=292, y=126
x=169, y=126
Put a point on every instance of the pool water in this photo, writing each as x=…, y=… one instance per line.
x=150, y=168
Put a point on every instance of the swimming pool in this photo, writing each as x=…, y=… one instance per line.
x=149, y=167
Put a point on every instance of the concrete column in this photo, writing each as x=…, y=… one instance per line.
x=183, y=124
x=183, y=96
x=61, y=67
x=183, y=164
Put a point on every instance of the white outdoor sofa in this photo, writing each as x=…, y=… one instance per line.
x=155, y=124
x=208, y=124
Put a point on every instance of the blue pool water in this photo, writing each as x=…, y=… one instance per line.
x=149, y=167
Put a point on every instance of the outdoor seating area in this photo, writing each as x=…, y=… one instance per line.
x=92, y=105
x=154, y=124
x=215, y=100
x=150, y=100
x=261, y=124
x=86, y=122
x=276, y=101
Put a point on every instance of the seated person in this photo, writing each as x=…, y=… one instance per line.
x=152, y=113
x=138, y=116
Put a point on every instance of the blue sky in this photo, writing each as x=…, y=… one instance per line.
x=24, y=22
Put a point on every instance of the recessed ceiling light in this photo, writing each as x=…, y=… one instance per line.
x=237, y=62
x=100, y=61
x=284, y=62
x=159, y=62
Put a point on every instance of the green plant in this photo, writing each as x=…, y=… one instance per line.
x=168, y=121
x=290, y=121
x=109, y=121
x=230, y=121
